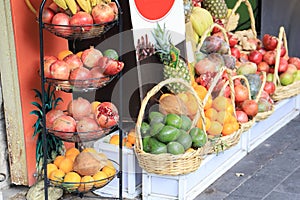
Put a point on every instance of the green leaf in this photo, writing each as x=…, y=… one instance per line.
x=37, y=105
x=37, y=113
x=38, y=94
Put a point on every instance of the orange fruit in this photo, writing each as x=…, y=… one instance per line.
x=72, y=151
x=208, y=103
x=215, y=128
x=57, y=176
x=200, y=90
x=211, y=113
x=64, y=53
x=94, y=105
x=50, y=168
x=115, y=140
x=227, y=129
x=131, y=137
x=207, y=123
x=58, y=159
x=86, y=183
x=79, y=54
x=128, y=144
x=109, y=170
x=66, y=165
x=230, y=108
x=235, y=125
x=72, y=156
x=100, y=179
x=72, y=180
x=223, y=117
x=220, y=103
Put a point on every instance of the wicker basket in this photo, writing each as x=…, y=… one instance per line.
x=283, y=92
x=245, y=48
x=168, y=164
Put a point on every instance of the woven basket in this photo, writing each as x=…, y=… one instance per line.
x=168, y=164
x=283, y=92
x=252, y=30
x=263, y=115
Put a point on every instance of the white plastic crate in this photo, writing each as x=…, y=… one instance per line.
x=189, y=186
x=132, y=173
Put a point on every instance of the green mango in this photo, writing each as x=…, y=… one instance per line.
x=157, y=147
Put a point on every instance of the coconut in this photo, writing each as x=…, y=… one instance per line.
x=89, y=163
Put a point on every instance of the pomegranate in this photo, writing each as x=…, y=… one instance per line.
x=64, y=123
x=294, y=61
x=79, y=108
x=255, y=56
x=243, y=57
x=48, y=60
x=250, y=107
x=114, y=6
x=80, y=76
x=103, y=13
x=87, y=124
x=283, y=51
x=47, y=15
x=106, y=115
x=241, y=93
x=263, y=67
x=283, y=65
x=241, y=116
x=269, y=87
x=235, y=52
x=90, y=57
x=63, y=20
x=55, y=8
x=269, y=57
x=113, y=67
x=270, y=42
x=73, y=61
x=291, y=68
x=80, y=19
x=53, y=115
x=103, y=61
x=60, y=70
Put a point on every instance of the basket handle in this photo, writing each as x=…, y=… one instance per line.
x=207, y=33
x=262, y=86
x=153, y=91
x=281, y=38
x=251, y=15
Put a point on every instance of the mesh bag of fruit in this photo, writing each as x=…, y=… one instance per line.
x=286, y=71
x=168, y=142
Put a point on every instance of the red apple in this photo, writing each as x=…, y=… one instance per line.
x=255, y=56
x=60, y=70
x=269, y=87
x=80, y=19
x=263, y=67
x=103, y=13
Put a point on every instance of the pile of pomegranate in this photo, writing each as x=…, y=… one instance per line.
x=83, y=116
x=82, y=69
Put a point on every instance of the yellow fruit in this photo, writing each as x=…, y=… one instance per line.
x=100, y=179
x=110, y=171
x=72, y=151
x=94, y=105
x=86, y=183
x=72, y=6
x=110, y=164
x=57, y=160
x=72, y=180
x=64, y=53
x=215, y=128
x=57, y=176
x=72, y=157
x=220, y=103
x=66, y=165
x=89, y=149
x=50, y=168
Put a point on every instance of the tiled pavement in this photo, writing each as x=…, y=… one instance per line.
x=270, y=172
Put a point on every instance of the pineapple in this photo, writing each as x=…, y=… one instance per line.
x=174, y=66
x=217, y=8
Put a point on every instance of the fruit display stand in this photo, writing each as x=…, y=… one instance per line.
x=132, y=172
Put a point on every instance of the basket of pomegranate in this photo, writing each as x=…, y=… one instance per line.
x=168, y=142
x=81, y=171
x=83, y=121
x=87, y=70
x=286, y=73
x=80, y=19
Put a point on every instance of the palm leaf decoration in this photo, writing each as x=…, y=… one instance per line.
x=54, y=145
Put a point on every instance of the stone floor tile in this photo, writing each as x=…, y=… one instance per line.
x=281, y=195
x=291, y=184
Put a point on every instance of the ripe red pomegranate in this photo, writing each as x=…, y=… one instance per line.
x=106, y=115
x=113, y=67
x=90, y=57
x=64, y=20
x=60, y=70
x=87, y=124
x=73, y=61
x=241, y=93
x=48, y=60
x=103, y=13
x=241, y=116
x=47, y=15
x=80, y=19
x=64, y=123
x=52, y=115
x=250, y=107
x=79, y=108
x=80, y=76
x=114, y=6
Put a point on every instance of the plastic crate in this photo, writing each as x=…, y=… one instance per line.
x=132, y=173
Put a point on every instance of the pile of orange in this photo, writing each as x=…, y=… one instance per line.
x=128, y=140
x=61, y=172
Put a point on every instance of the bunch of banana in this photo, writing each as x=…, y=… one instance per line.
x=201, y=20
x=85, y=5
x=67, y=4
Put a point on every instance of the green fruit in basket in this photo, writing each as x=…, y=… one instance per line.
x=156, y=117
x=185, y=139
x=111, y=53
x=156, y=128
x=157, y=147
x=186, y=123
x=168, y=134
x=286, y=78
x=199, y=138
x=175, y=148
x=145, y=128
x=146, y=146
x=173, y=120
